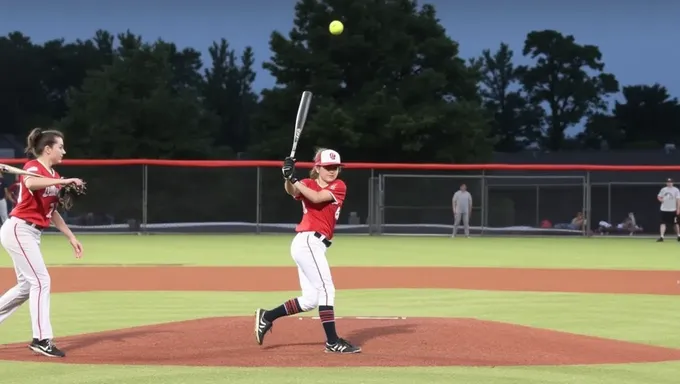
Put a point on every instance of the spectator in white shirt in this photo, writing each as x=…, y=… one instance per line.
x=462, y=208
x=669, y=197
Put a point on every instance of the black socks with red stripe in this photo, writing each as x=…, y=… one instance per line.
x=327, y=316
x=288, y=308
x=291, y=307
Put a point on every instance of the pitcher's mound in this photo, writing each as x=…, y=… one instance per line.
x=299, y=343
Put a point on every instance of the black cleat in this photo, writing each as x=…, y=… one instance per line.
x=659, y=240
x=262, y=325
x=46, y=347
x=342, y=346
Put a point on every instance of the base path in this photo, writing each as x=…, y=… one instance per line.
x=169, y=278
x=299, y=343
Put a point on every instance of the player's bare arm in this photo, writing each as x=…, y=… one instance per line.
x=315, y=197
x=291, y=189
x=61, y=225
x=35, y=183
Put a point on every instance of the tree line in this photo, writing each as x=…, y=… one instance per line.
x=399, y=93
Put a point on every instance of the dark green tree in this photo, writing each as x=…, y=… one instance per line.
x=228, y=92
x=35, y=79
x=568, y=78
x=24, y=102
x=390, y=88
x=517, y=122
x=647, y=118
x=66, y=65
x=145, y=104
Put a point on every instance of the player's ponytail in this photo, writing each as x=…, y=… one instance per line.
x=32, y=141
x=38, y=139
x=314, y=172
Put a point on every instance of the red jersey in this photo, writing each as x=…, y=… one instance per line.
x=37, y=206
x=322, y=217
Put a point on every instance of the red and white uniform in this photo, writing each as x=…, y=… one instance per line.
x=20, y=236
x=322, y=217
x=314, y=233
x=37, y=206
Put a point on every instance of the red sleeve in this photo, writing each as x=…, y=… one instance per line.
x=338, y=190
x=306, y=184
x=30, y=166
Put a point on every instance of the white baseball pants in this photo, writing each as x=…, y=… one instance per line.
x=316, y=282
x=22, y=242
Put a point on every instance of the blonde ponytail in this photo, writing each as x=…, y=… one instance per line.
x=314, y=172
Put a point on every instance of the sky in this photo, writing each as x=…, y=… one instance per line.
x=639, y=40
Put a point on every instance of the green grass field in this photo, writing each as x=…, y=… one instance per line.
x=639, y=318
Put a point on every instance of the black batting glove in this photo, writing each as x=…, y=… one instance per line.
x=288, y=169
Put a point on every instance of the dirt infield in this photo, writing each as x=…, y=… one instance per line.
x=432, y=342
x=299, y=343
x=81, y=279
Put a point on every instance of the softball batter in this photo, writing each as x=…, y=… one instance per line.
x=37, y=201
x=322, y=196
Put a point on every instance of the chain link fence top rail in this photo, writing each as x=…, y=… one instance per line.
x=247, y=196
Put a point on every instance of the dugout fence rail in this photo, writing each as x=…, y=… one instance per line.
x=205, y=196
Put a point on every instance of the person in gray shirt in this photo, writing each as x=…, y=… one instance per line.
x=462, y=208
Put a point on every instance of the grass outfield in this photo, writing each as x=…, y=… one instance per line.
x=639, y=318
x=273, y=250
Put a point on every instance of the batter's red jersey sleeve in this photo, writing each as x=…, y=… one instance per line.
x=339, y=190
x=305, y=182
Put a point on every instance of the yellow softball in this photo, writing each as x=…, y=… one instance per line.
x=336, y=27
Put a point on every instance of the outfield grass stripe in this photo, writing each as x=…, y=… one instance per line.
x=30, y=373
x=273, y=250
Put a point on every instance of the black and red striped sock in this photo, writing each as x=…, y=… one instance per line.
x=327, y=316
x=288, y=308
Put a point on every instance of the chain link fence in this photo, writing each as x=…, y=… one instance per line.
x=227, y=199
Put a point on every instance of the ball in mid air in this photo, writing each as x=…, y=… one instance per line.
x=336, y=27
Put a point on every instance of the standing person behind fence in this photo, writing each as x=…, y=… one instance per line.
x=669, y=197
x=20, y=236
x=462, y=208
x=5, y=197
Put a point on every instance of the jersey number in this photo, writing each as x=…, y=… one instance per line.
x=337, y=211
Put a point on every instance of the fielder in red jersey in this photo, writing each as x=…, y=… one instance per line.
x=37, y=207
x=37, y=202
x=322, y=196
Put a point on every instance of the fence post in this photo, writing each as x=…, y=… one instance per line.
x=588, y=209
x=609, y=202
x=145, y=196
x=483, y=199
x=258, y=213
x=370, y=212
x=538, y=205
x=381, y=203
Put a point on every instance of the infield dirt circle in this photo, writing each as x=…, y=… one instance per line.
x=298, y=342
